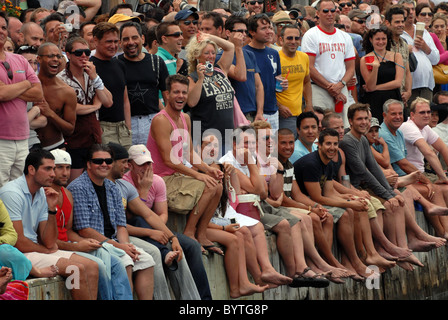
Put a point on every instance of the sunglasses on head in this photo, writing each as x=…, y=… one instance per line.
x=8, y=70
x=188, y=22
x=329, y=10
x=27, y=49
x=79, y=52
x=175, y=34
x=99, y=161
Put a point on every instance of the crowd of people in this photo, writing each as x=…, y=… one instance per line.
x=323, y=124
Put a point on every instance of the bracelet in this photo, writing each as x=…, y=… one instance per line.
x=144, y=200
x=52, y=212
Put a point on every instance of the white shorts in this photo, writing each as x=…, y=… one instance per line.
x=144, y=261
x=43, y=260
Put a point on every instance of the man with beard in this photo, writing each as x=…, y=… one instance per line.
x=59, y=103
x=143, y=87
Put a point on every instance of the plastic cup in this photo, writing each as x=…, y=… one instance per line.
x=278, y=83
x=419, y=29
x=369, y=59
x=339, y=106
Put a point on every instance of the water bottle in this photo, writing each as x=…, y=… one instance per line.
x=345, y=180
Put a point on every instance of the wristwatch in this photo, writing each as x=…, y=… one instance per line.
x=280, y=171
x=344, y=83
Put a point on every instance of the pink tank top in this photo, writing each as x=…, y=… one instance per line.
x=177, y=138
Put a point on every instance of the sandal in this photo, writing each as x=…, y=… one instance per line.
x=316, y=281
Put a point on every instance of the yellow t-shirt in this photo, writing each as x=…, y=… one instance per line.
x=298, y=68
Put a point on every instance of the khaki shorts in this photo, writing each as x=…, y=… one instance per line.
x=272, y=215
x=336, y=212
x=116, y=132
x=182, y=192
x=374, y=205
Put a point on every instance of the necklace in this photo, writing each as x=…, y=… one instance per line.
x=378, y=56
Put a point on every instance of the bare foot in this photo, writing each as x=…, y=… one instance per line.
x=379, y=261
x=170, y=257
x=421, y=246
x=437, y=211
x=412, y=259
x=272, y=277
x=47, y=272
x=5, y=277
x=248, y=289
x=408, y=179
x=405, y=265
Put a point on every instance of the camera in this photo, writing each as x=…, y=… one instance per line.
x=208, y=66
x=68, y=27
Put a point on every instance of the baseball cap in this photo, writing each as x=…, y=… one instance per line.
x=281, y=16
x=119, y=151
x=357, y=13
x=140, y=154
x=118, y=17
x=61, y=157
x=374, y=122
x=184, y=14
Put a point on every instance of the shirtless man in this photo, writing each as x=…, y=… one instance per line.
x=59, y=103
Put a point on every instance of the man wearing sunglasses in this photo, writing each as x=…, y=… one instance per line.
x=358, y=18
x=143, y=87
x=254, y=7
x=188, y=23
x=98, y=213
x=81, y=75
x=332, y=60
x=19, y=85
x=295, y=66
x=169, y=38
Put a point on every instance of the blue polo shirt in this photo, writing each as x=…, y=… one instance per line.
x=22, y=207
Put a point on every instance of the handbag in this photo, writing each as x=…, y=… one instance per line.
x=440, y=73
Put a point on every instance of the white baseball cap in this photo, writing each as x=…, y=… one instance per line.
x=61, y=157
x=140, y=154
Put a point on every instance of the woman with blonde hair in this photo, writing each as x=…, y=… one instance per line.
x=211, y=94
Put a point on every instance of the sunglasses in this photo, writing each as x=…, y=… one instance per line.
x=175, y=34
x=240, y=30
x=360, y=21
x=348, y=4
x=426, y=14
x=8, y=70
x=290, y=38
x=51, y=56
x=99, y=161
x=328, y=10
x=425, y=112
x=254, y=2
x=79, y=52
x=27, y=49
x=188, y=22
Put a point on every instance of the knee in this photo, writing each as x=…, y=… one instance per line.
x=283, y=227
